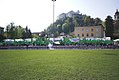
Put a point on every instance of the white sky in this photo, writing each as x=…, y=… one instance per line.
x=37, y=14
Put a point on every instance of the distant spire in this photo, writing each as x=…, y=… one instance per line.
x=116, y=16
x=116, y=10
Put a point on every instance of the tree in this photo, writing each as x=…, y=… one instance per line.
x=2, y=37
x=59, y=28
x=30, y=34
x=7, y=31
x=26, y=33
x=109, y=26
x=70, y=24
x=75, y=21
x=19, y=32
x=10, y=30
x=65, y=28
x=35, y=36
x=86, y=20
x=97, y=21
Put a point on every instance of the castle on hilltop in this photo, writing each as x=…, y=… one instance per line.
x=70, y=14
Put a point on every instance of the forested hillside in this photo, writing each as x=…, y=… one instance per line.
x=68, y=23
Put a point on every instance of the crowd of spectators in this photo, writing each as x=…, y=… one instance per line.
x=78, y=46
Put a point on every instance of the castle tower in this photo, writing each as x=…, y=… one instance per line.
x=116, y=24
x=116, y=16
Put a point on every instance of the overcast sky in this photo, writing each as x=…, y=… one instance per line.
x=37, y=14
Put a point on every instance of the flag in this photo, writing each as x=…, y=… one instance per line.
x=74, y=39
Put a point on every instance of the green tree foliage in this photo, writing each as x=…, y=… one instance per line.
x=65, y=28
x=10, y=30
x=70, y=23
x=87, y=20
x=75, y=21
x=2, y=37
x=52, y=31
x=26, y=33
x=59, y=28
x=17, y=32
x=109, y=26
x=97, y=21
x=103, y=24
x=35, y=36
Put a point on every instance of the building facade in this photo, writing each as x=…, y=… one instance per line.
x=1, y=33
x=1, y=30
x=89, y=32
x=62, y=16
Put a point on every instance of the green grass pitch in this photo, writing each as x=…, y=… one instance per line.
x=59, y=64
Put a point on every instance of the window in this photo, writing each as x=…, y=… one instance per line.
x=78, y=35
x=87, y=35
x=92, y=30
x=92, y=35
x=82, y=35
x=97, y=29
x=97, y=35
x=87, y=30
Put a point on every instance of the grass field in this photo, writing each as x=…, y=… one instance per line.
x=59, y=64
